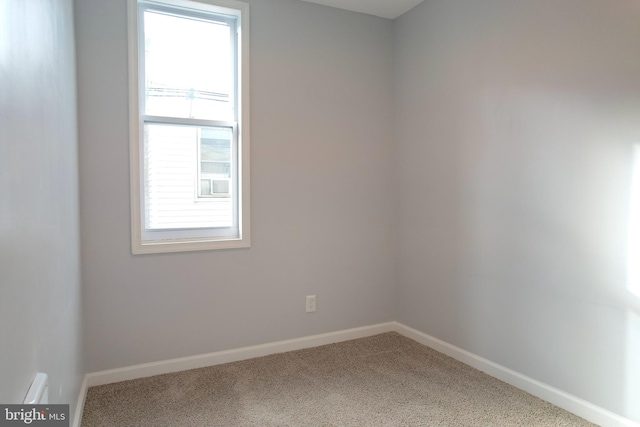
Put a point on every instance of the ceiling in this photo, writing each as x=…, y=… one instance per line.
x=390, y=9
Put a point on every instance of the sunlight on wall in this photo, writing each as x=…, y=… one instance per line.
x=633, y=242
x=632, y=342
x=4, y=32
x=632, y=371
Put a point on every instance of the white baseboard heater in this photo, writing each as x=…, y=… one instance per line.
x=38, y=393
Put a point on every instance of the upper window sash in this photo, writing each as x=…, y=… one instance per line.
x=228, y=70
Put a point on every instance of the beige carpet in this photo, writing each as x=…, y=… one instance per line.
x=384, y=380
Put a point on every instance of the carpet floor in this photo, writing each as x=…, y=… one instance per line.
x=383, y=380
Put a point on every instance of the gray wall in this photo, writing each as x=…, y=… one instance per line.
x=321, y=176
x=507, y=172
x=39, y=243
x=516, y=121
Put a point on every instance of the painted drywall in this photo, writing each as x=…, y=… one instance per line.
x=321, y=176
x=516, y=123
x=39, y=232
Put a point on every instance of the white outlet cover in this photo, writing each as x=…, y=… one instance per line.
x=311, y=303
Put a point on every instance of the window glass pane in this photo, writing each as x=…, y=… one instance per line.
x=188, y=67
x=215, y=161
x=205, y=186
x=172, y=188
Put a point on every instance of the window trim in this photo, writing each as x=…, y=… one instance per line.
x=136, y=141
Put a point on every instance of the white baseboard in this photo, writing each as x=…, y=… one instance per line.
x=559, y=398
x=227, y=356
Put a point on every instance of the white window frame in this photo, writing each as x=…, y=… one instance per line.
x=189, y=239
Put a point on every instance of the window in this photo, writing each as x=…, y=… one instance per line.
x=189, y=125
x=215, y=163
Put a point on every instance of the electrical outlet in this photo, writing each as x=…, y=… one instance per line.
x=311, y=303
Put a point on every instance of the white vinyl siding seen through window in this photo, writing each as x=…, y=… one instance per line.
x=189, y=125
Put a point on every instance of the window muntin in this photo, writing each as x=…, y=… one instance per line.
x=189, y=132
